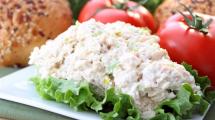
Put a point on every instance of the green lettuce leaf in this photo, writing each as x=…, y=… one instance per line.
x=80, y=96
x=187, y=102
x=204, y=83
x=181, y=107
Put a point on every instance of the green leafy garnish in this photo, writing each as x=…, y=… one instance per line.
x=204, y=83
x=187, y=102
x=76, y=6
x=80, y=96
x=183, y=106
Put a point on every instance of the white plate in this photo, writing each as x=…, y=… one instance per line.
x=18, y=88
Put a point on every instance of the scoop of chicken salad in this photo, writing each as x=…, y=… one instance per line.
x=122, y=69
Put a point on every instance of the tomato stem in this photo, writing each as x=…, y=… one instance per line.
x=120, y=6
x=196, y=22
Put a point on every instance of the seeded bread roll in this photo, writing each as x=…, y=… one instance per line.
x=25, y=24
x=169, y=7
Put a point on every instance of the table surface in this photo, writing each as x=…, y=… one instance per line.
x=4, y=71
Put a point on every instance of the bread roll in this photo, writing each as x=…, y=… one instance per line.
x=169, y=7
x=25, y=24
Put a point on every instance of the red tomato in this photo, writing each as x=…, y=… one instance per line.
x=189, y=44
x=106, y=13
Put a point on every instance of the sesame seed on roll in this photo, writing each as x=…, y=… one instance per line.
x=25, y=24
